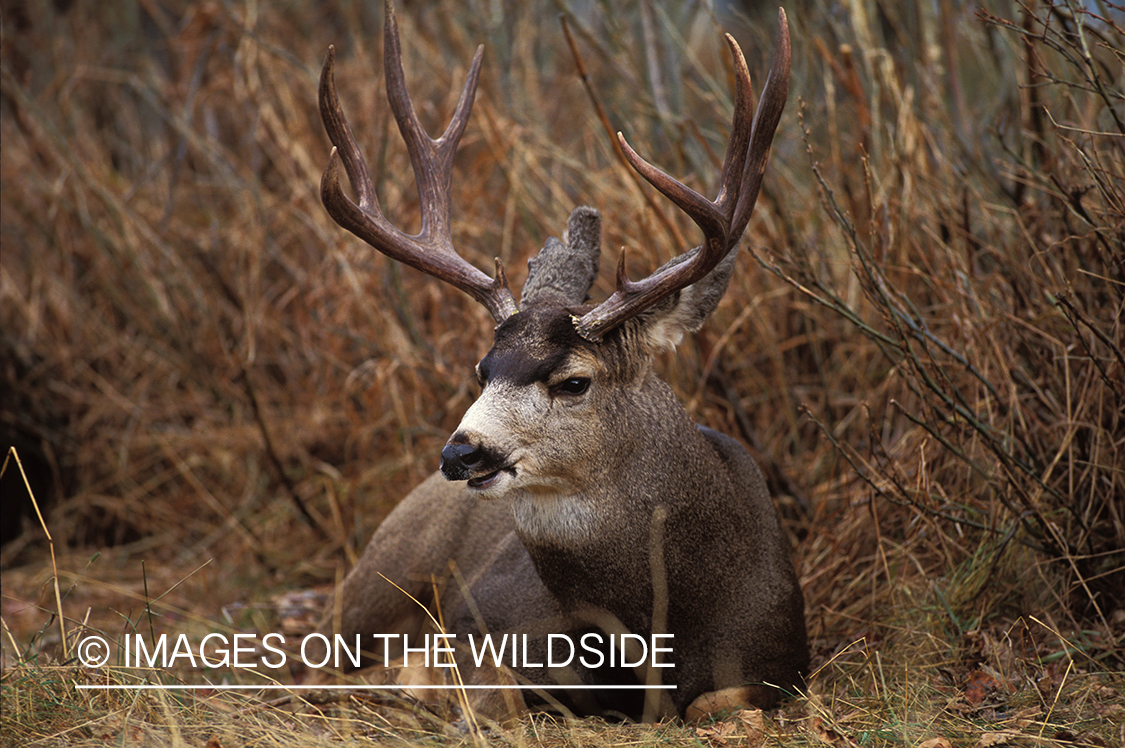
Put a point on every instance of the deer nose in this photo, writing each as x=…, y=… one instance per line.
x=458, y=460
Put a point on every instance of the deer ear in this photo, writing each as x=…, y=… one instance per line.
x=563, y=271
x=666, y=322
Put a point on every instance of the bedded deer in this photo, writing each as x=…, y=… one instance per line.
x=577, y=497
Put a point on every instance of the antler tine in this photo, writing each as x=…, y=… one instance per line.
x=340, y=133
x=766, y=120
x=431, y=250
x=723, y=220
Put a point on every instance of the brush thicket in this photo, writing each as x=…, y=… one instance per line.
x=922, y=345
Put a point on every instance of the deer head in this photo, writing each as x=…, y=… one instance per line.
x=557, y=366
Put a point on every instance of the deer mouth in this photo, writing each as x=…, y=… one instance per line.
x=489, y=480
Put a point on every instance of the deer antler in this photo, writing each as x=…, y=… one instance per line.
x=722, y=220
x=431, y=250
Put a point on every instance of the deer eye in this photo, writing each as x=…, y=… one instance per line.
x=572, y=386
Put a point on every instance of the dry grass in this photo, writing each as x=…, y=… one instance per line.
x=218, y=394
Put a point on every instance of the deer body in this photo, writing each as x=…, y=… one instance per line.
x=577, y=496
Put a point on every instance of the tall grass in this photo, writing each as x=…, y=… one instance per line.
x=923, y=344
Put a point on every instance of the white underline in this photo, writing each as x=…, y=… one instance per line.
x=151, y=687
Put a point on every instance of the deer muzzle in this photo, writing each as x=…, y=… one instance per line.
x=459, y=459
x=462, y=459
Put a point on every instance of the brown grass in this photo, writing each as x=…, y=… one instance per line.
x=218, y=394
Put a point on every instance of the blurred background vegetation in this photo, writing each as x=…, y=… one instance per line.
x=222, y=393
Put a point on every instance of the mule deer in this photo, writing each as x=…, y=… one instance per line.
x=576, y=496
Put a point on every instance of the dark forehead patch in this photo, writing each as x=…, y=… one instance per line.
x=530, y=345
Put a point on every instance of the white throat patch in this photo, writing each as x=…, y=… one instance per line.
x=554, y=518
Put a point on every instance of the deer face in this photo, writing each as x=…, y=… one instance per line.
x=551, y=406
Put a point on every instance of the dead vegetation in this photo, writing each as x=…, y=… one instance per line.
x=218, y=394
